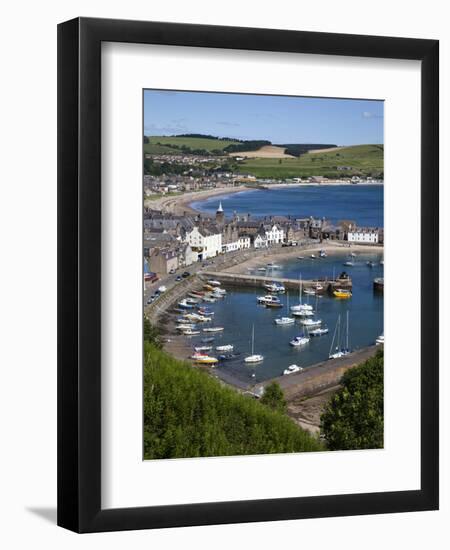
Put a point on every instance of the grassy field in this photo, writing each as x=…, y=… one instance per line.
x=163, y=142
x=363, y=160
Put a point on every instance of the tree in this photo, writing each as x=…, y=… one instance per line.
x=273, y=397
x=354, y=416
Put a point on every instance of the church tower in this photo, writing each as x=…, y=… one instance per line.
x=220, y=217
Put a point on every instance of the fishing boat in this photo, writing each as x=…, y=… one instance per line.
x=219, y=291
x=318, y=331
x=208, y=287
x=213, y=282
x=193, y=301
x=254, y=357
x=292, y=368
x=196, y=295
x=209, y=298
x=199, y=349
x=227, y=347
x=213, y=329
x=380, y=340
x=262, y=269
x=268, y=298
x=300, y=340
x=273, y=304
x=339, y=349
x=311, y=322
x=282, y=321
x=342, y=293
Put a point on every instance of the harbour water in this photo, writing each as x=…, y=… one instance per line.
x=239, y=311
x=360, y=203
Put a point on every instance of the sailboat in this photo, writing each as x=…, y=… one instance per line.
x=285, y=320
x=300, y=307
x=339, y=350
x=310, y=322
x=254, y=357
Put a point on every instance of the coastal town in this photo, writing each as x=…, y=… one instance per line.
x=263, y=277
x=177, y=241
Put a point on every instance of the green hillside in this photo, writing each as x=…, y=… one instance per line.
x=365, y=160
x=175, y=143
x=187, y=413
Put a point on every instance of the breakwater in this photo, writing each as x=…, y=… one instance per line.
x=235, y=279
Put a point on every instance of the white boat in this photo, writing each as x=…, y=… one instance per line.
x=313, y=256
x=381, y=262
x=254, y=357
x=299, y=341
x=300, y=306
x=284, y=321
x=318, y=331
x=262, y=269
x=323, y=254
x=209, y=298
x=349, y=263
x=309, y=292
x=219, y=291
x=291, y=369
x=303, y=313
x=213, y=329
x=202, y=348
x=352, y=254
x=380, y=340
x=227, y=347
x=311, y=322
x=339, y=350
x=300, y=257
x=184, y=304
x=268, y=298
x=190, y=300
x=191, y=332
x=213, y=282
x=274, y=266
x=274, y=287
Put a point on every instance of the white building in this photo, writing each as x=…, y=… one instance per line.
x=241, y=244
x=206, y=241
x=363, y=234
x=260, y=241
x=274, y=235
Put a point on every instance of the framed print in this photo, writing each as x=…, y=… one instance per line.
x=245, y=215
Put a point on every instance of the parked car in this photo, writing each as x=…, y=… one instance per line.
x=172, y=271
x=178, y=278
x=185, y=274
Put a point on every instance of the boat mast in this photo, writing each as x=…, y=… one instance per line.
x=253, y=339
x=334, y=334
x=347, y=348
x=300, y=290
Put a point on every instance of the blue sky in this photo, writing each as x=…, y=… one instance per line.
x=279, y=119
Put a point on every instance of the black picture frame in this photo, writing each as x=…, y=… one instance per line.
x=79, y=274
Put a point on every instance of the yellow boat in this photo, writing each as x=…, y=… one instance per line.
x=208, y=287
x=206, y=360
x=341, y=293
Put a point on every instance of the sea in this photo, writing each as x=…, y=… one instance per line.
x=239, y=312
x=360, y=203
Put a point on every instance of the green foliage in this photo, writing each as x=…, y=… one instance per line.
x=354, y=417
x=151, y=334
x=187, y=413
x=366, y=160
x=206, y=144
x=273, y=397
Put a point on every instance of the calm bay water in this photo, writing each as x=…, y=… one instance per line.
x=239, y=311
x=361, y=203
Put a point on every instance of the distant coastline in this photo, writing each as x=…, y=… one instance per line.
x=182, y=204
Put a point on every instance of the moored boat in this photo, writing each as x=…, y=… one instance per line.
x=291, y=369
x=227, y=347
x=318, y=331
x=300, y=340
x=254, y=357
x=342, y=293
x=213, y=329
